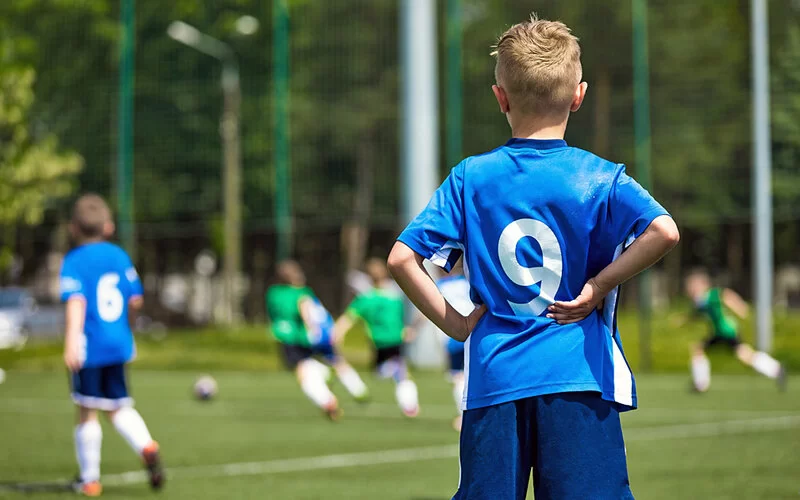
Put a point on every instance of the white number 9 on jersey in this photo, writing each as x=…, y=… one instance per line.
x=110, y=302
x=548, y=275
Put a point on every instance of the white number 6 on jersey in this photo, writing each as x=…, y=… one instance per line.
x=109, y=299
x=548, y=275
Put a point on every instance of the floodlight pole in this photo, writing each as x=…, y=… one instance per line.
x=762, y=267
x=420, y=128
x=231, y=145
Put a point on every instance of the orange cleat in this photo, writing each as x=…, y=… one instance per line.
x=90, y=489
x=152, y=460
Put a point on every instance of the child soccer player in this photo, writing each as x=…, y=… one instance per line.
x=303, y=327
x=454, y=287
x=381, y=309
x=547, y=232
x=102, y=293
x=711, y=302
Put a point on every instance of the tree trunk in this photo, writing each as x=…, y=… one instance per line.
x=601, y=94
x=355, y=232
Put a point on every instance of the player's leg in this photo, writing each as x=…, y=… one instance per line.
x=580, y=452
x=458, y=394
x=761, y=362
x=350, y=379
x=456, y=355
x=88, y=433
x=701, y=368
x=129, y=423
x=496, y=451
x=312, y=376
x=391, y=364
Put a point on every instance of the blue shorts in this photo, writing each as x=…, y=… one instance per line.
x=571, y=441
x=101, y=388
x=325, y=351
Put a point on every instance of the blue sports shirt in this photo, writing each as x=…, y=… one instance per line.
x=535, y=220
x=102, y=274
x=322, y=333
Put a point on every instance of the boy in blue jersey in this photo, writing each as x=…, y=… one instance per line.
x=454, y=287
x=103, y=293
x=548, y=232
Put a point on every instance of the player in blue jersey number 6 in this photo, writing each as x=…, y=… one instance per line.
x=548, y=232
x=102, y=292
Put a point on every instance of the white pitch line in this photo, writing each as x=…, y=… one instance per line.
x=447, y=451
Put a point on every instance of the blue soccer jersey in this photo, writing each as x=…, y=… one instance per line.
x=321, y=335
x=102, y=274
x=535, y=219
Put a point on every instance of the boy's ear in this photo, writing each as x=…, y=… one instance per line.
x=108, y=229
x=580, y=94
x=502, y=98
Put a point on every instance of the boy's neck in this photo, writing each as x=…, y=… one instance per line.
x=537, y=128
x=87, y=241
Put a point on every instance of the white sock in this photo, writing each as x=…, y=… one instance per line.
x=351, y=381
x=88, y=441
x=314, y=386
x=406, y=394
x=765, y=364
x=458, y=391
x=324, y=371
x=132, y=428
x=701, y=372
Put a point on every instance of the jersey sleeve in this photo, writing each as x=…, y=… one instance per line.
x=437, y=233
x=132, y=278
x=631, y=208
x=356, y=307
x=70, y=284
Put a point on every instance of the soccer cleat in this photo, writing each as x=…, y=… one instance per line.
x=90, y=489
x=334, y=413
x=783, y=379
x=152, y=460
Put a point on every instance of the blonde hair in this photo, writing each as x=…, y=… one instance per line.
x=539, y=66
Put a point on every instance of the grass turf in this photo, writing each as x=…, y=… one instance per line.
x=738, y=441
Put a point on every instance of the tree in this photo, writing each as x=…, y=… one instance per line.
x=33, y=172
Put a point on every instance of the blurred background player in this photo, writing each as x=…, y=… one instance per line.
x=381, y=309
x=303, y=328
x=455, y=289
x=102, y=293
x=712, y=302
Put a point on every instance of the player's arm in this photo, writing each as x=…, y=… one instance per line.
x=659, y=238
x=408, y=270
x=305, y=306
x=344, y=324
x=74, y=318
x=735, y=303
x=135, y=305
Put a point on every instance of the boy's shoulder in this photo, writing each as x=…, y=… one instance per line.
x=580, y=157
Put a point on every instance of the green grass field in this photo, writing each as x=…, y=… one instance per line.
x=261, y=439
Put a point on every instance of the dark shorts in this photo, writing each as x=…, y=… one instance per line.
x=294, y=354
x=717, y=340
x=384, y=354
x=571, y=442
x=456, y=361
x=101, y=388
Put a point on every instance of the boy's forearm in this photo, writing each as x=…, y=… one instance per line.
x=134, y=306
x=74, y=315
x=656, y=241
x=407, y=268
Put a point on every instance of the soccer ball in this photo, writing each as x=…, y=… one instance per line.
x=205, y=388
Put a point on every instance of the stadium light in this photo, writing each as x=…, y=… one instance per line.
x=231, y=144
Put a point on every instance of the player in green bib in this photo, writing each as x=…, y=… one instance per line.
x=304, y=329
x=381, y=310
x=713, y=303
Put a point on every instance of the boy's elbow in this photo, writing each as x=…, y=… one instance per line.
x=400, y=256
x=668, y=231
